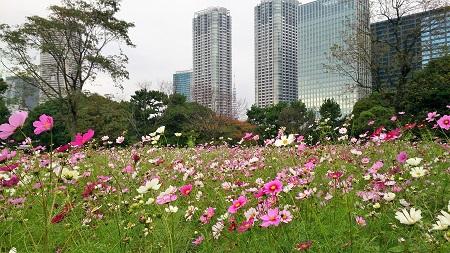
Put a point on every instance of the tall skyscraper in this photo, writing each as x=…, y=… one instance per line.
x=276, y=49
x=182, y=81
x=324, y=24
x=20, y=95
x=426, y=34
x=212, y=73
x=52, y=69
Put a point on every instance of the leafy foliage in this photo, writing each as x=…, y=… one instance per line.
x=4, y=112
x=74, y=35
x=429, y=89
x=331, y=110
x=294, y=116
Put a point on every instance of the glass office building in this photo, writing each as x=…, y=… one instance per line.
x=323, y=24
x=427, y=35
x=182, y=81
x=276, y=52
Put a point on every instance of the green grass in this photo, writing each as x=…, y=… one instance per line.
x=329, y=224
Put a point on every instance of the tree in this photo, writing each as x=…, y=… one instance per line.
x=331, y=110
x=363, y=48
x=4, y=112
x=428, y=90
x=378, y=114
x=74, y=37
x=105, y=116
x=296, y=118
x=146, y=106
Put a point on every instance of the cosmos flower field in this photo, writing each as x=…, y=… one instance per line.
x=381, y=192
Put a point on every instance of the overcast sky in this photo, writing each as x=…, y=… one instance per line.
x=163, y=38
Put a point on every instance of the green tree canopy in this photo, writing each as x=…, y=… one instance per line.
x=429, y=89
x=331, y=110
x=74, y=37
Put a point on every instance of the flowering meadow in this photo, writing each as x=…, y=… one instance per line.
x=386, y=191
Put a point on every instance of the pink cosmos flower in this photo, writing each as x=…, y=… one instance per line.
x=16, y=201
x=273, y=187
x=360, y=221
x=198, y=240
x=128, y=169
x=335, y=174
x=16, y=120
x=245, y=225
x=9, y=168
x=166, y=198
x=443, y=122
x=272, y=218
x=45, y=123
x=80, y=139
x=402, y=157
x=14, y=180
x=207, y=215
x=237, y=204
x=248, y=136
x=432, y=116
x=6, y=155
x=286, y=216
x=186, y=189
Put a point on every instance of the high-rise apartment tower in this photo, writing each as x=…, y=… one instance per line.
x=212, y=73
x=276, y=52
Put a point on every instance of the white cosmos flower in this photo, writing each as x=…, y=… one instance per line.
x=408, y=218
x=389, y=196
x=443, y=221
x=414, y=161
x=161, y=129
x=417, y=172
x=177, y=134
x=444, y=218
x=343, y=130
x=68, y=174
x=120, y=139
x=171, y=209
x=285, y=140
x=152, y=184
x=13, y=250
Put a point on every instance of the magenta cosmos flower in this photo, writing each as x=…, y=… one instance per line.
x=45, y=123
x=80, y=139
x=237, y=204
x=443, y=122
x=186, y=189
x=273, y=187
x=402, y=156
x=272, y=218
x=16, y=120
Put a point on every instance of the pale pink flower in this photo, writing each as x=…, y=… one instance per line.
x=198, y=240
x=286, y=216
x=45, y=123
x=360, y=221
x=432, y=116
x=272, y=218
x=16, y=120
